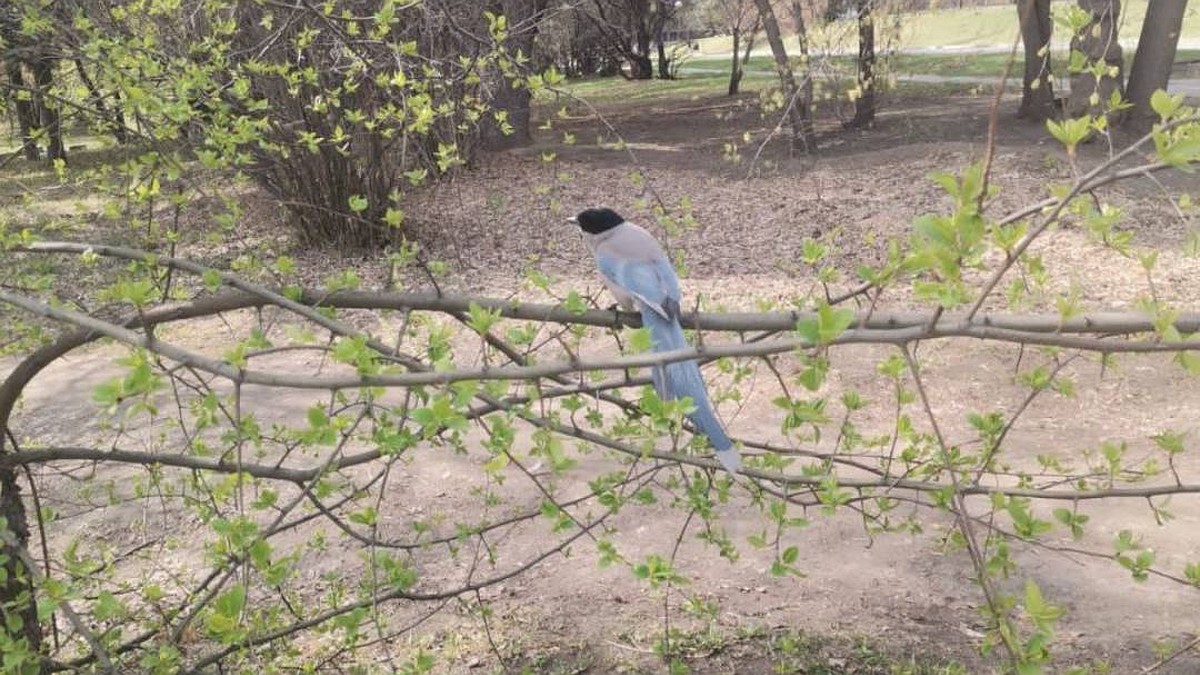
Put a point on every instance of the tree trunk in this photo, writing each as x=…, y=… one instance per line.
x=513, y=103
x=1099, y=45
x=1155, y=55
x=864, y=105
x=18, y=604
x=750, y=42
x=806, y=85
x=735, y=67
x=114, y=120
x=43, y=75
x=660, y=24
x=643, y=67
x=798, y=102
x=664, y=64
x=23, y=104
x=1037, y=92
x=798, y=17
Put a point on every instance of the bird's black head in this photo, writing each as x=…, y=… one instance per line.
x=595, y=221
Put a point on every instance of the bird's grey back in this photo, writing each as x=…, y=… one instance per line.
x=627, y=242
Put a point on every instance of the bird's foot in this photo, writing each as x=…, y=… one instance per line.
x=615, y=308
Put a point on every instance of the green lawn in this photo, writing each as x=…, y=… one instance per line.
x=976, y=26
x=610, y=91
x=980, y=65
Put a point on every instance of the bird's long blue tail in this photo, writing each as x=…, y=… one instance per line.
x=682, y=378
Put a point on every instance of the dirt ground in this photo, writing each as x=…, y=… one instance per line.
x=902, y=596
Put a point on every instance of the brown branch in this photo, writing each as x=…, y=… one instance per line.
x=424, y=377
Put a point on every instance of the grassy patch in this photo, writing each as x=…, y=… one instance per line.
x=972, y=26
x=690, y=86
x=629, y=94
x=948, y=65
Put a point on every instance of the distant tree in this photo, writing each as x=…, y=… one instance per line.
x=1155, y=55
x=864, y=103
x=509, y=124
x=1097, y=64
x=42, y=64
x=29, y=70
x=573, y=43
x=797, y=9
x=797, y=99
x=628, y=27
x=661, y=12
x=112, y=117
x=1037, y=90
x=16, y=92
x=738, y=17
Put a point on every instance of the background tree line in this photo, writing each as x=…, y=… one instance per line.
x=335, y=109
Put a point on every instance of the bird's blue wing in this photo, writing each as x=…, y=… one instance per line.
x=652, y=283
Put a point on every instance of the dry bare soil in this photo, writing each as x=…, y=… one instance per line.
x=863, y=603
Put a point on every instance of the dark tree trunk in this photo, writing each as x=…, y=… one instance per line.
x=798, y=101
x=798, y=17
x=18, y=606
x=26, y=119
x=643, y=67
x=114, y=120
x=1155, y=55
x=512, y=102
x=1037, y=91
x=735, y=67
x=43, y=75
x=806, y=84
x=664, y=61
x=1099, y=44
x=750, y=42
x=864, y=105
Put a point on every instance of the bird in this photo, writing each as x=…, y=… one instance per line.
x=639, y=275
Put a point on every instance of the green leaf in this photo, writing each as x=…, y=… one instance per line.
x=823, y=327
x=640, y=340
x=212, y=279
x=574, y=303
x=367, y=516
x=231, y=602
x=481, y=320
x=1182, y=152
x=790, y=555
x=108, y=608
x=1164, y=104
x=1070, y=132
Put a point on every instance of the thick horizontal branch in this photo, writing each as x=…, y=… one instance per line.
x=72, y=454
x=896, y=336
x=1109, y=323
x=883, y=482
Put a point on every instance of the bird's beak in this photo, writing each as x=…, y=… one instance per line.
x=573, y=220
